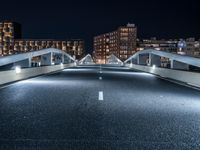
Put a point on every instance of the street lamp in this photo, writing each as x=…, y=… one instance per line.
x=18, y=69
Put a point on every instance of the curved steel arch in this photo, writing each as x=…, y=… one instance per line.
x=20, y=57
x=88, y=57
x=114, y=59
x=180, y=58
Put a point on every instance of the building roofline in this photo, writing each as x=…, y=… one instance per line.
x=116, y=30
x=49, y=40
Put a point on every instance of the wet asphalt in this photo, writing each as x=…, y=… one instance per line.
x=65, y=110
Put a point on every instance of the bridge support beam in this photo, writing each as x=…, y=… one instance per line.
x=154, y=60
x=142, y=59
x=63, y=58
x=179, y=65
x=46, y=60
x=24, y=63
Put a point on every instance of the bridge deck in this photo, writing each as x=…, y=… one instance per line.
x=99, y=108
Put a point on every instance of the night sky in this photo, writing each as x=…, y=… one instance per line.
x=86, y=18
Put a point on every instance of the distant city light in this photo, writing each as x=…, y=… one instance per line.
x=18, y=69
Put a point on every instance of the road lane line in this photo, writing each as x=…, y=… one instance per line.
x=100, y=95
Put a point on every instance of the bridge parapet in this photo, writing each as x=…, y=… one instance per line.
x=25, y=73
x=178, y=69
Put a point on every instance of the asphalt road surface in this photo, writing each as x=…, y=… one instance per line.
x=99, y=107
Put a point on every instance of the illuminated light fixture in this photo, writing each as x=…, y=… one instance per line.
x=18, y=69
x=53, y=63
x=61, y=64
x=154, y=67
x=39, y=64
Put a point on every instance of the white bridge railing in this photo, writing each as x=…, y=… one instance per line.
x=87, y=60
x=49, y=57
x=150, y=61
x=153, y=57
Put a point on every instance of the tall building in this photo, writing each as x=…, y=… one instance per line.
x=11, y=42
x=8, y=32
x=121, y=43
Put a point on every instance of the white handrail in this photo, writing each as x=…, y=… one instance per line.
x=180, y=58
x=19, y=57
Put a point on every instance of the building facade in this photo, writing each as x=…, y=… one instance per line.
x=8, y=32
x=74, y=47
x=163, y=45
x=121, y=43
x=188, y=46
x=192, y=47
x=12, y=43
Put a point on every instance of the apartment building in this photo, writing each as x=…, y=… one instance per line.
x=11, y=42
x=121, y=43
x=8, y=32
